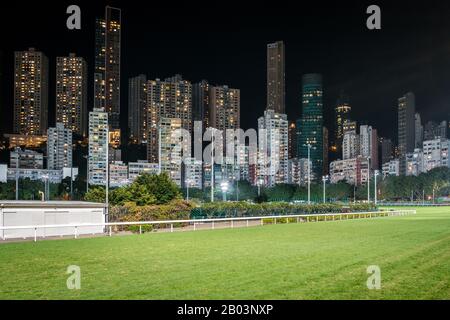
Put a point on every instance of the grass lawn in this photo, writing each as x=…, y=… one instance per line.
x=324, y=260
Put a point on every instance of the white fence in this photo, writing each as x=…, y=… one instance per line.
x=107, y=227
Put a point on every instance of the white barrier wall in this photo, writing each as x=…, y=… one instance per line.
x=33, y=213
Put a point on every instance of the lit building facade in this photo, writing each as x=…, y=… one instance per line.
x=107, y=64
x=135, y=169
x=353, y=171
x=311, y=124
x=276, y=92
x=98, y=146
x=391, y=168
x=171, y=98
x=273, y=148
x=30, y=92
x=406, y=127
x=137, y=109
x=59, y=147
x=26, y=159
x=71, y=93
x=435, y=153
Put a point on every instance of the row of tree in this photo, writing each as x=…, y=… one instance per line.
x=159, y=189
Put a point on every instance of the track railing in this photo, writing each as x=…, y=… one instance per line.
x=194, y=222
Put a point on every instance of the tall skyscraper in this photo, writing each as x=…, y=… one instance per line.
x=342, y=114
x=311, y=124
x=273, y=148
x=200, y=102
x=418, y=127
x=171, y=156
x=350, y=145
x=325, y=150
x=107, y=64
x=137, y=109
x=406, y=127
x=386, y=150
x=276, y=93
x=435, y=130
x=71, y=93
x=224, y=108
x=59, y=147
x=30, y=92
x=171, y=98
x=368, y=144
x=98, y=144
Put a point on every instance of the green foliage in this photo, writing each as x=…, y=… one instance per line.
x=146, y=190
x=246, y=209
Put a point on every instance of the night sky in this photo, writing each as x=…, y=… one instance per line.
x=225, y=43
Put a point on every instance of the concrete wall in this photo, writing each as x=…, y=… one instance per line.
x=35, y=216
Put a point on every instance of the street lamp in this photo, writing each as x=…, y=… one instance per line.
x=368, y=179
x=188, y=182
x=309, y=173
x=224, y=187
x=259, y=183
x=46, y=188
x=376, y=173
x=324, y=180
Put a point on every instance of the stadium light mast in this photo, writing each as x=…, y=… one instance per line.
x=376, y=173
x=324, y=180
x=309, y=173
x=368, y=179
x=212, y=165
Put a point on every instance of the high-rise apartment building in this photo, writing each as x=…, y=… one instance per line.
x=435, y=130
x=350, y=145
x=137, y=109
x=311, y=124
x=171, y=98
x=224, y=108
x=59, y=147
x=342, y=114
x=107, y=64
x=30, y=92
x=387, y=151
x=171, y=148
x=201, y=103
x=435, y=153
x=98, y=146
x=276, y=93
x=368, y=145
x=273, y=148
x=406, y=127
x=71, y=93
x=418, y=127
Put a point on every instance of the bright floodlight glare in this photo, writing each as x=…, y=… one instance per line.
x=224, y=186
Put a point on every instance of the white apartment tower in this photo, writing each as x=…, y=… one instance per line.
x=59, y=147
x=98, y=146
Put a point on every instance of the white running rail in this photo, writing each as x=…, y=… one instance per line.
x=303, y=217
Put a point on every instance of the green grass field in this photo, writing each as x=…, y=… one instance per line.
x=324, y=260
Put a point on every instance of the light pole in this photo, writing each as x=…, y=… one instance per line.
x=46, y=188
x=376, y=173
x=87, y=172
x=107, y=174
x=212, y=165
x=324, y=180
x=309, y=173
x=224, y=187
x=187, y=189
x=259, y=183
x=17, y=176
x=368, y=179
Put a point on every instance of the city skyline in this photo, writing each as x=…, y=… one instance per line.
x=432, y=102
